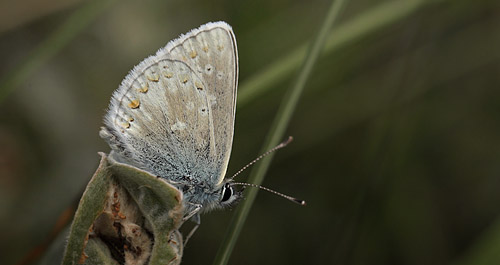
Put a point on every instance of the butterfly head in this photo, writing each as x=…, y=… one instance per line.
x=223, y=195
x=228, y=195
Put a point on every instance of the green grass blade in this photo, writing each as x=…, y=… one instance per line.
x=486, y=248
x=276, y=133
x=363, y=24
x=78, y=21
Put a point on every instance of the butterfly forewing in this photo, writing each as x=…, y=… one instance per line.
x=174, y=113
x=211, y=51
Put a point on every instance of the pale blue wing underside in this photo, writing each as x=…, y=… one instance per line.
x=173, y=114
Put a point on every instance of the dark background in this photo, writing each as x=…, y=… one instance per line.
x=396, y=135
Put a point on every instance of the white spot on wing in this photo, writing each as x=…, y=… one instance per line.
x=203, y=111
x=209, y=69
x=178, y=126
x=220, y=74
x=212, y=100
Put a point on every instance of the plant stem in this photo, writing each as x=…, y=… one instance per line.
x=49, y=47
x=276, y=133
x=363, y=24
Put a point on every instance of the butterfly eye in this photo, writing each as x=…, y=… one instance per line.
x=227, y=192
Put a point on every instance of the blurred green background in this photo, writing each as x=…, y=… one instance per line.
x=397, y=133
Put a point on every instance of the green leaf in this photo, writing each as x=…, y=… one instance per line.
x=90, y=206
x=126, y=216
x=161, y=204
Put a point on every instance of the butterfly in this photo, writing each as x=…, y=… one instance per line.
x=173, y=116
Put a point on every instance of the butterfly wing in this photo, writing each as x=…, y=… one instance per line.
x=173, y=115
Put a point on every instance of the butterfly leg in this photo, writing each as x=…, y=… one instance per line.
x=197, y=220
x=197, y=208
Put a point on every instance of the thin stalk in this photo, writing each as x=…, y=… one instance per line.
x=363, y=24
x=49, y=47
x=276, y=133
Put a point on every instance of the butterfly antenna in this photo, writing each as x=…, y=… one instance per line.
x=279, y=146
x=290, y=198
